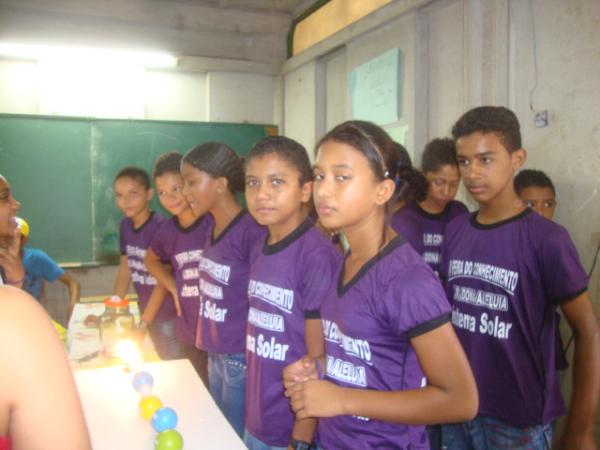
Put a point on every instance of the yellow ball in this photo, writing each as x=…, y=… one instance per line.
x=148, y=406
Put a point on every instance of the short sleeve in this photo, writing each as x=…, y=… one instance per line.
x=416, y=302
x=318, y=274
x=49, y=269
x=563, y=276
x=159, y=244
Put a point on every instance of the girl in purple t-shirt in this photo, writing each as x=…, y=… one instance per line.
x=290, y=273
x=393, y=362
x=422, y=222
x=213, y=173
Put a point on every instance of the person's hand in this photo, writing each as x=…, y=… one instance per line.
x=315, y=398
x=301, y=370
x=10, y=260
x=139, y=333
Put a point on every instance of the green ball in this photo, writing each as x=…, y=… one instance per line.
x=168, y=440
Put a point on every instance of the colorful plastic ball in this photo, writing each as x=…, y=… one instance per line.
x=168, y=440
x=148, y=406
x=142, y=378
x=164, y=419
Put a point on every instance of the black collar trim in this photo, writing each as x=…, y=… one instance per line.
x=429, y=215
x=190, y=228
x=491, y=226
x=389, y=248
x=229, y=226
x=288, y=240
x=139, y=229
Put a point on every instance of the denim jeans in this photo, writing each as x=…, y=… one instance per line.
x=198, y=358
x=487, y=433
x=227, y=386
x=256, y=444
x=165, y=339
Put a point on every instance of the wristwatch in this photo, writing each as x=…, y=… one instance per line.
x=300, y=445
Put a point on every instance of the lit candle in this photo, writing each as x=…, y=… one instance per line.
x=128, y=351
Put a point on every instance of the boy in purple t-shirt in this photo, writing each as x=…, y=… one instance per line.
x=290, y=272
x=132, y=196
x=422, y=223
x=179, y=243
x=506, y=269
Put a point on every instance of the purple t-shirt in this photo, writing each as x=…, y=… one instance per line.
x=224, y=271
x=134, y=243
x=425, y=231
x=182, y=248
x=287, y=283
x=368, y=325
x=504, y=281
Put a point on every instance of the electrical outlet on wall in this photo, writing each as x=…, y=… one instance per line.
x=540, y=118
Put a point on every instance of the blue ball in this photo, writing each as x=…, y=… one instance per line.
x=164, y=419
x=142, y=378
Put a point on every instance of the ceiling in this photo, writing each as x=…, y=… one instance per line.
x=248, y=31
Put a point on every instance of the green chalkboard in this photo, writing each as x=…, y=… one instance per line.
x=61, y=170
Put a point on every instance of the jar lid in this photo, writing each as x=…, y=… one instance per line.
x=116, y=302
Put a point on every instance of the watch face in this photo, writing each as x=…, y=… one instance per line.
x=300, y=445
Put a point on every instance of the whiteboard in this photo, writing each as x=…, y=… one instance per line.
x=375, y=89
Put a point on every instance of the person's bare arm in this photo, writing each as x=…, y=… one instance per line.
x=43, y=406
x=163, y=275
x=450, y=394
x=123, y=278
x=304, y=428
x=10, y=261
x=74, y=291
x=154, y=303
x=579, y=431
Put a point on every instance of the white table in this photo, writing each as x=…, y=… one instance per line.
x=110, y=404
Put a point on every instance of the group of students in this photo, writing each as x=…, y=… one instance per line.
x=433, y=316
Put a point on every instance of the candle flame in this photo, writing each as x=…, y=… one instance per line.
x=128, y=351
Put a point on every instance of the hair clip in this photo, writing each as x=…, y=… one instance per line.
x=386, y=174
x=398, y=180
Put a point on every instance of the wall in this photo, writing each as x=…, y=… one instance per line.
x=215, y=96
x=567, y=40
x=242, y=98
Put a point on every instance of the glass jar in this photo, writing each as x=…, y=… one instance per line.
x=116, y=323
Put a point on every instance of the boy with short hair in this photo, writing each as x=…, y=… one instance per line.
x=179, y=243
x=505, y=270
x=139, y=226
x=40, y=266
x=537, y=191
